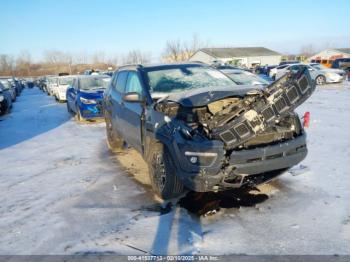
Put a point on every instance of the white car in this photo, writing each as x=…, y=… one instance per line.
x=51, y=85
x=242, y=77
x=274, y=71
x=319, y=73
x=60, y=90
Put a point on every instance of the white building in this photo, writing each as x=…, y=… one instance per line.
x=245, y=56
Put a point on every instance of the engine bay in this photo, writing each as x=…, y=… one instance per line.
x=260, y=117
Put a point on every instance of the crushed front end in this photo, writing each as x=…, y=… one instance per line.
x=237, y=140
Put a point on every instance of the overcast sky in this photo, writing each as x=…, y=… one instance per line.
x=115, y=27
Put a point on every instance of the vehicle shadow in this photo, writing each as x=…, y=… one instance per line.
x=32, y=114
x=203, y=204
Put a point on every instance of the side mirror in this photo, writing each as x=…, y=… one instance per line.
x=132, y=97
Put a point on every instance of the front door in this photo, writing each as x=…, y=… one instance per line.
x=132, y=112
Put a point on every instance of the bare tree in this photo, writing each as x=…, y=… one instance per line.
x=175, y=50
x=307, y=50
x=7, y=64
x=68, y=59
x=192, y=46
x=81, y=58
x=114, y=60
x=23, y=63
x=136, y=57
x=98, y=57
x=54, y=57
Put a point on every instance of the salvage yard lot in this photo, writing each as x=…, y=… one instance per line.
x=63, y=192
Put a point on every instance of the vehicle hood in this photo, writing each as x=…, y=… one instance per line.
x=203, y=96
x=92, y=94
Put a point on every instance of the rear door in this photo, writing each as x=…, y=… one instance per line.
x=132, y=112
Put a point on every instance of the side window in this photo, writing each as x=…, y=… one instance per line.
x=121, y=81
x=76, y=84
x=294, y=68
x=133, y=84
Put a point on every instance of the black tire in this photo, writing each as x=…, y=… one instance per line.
x=162, y=172
x=70, y=111
x=320, y=80
x=114, y=142
x=4, y=108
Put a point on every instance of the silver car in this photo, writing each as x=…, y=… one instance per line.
x=319, y=73
x=242, y=77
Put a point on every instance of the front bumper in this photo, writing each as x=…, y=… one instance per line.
x=62, y=96
x=241, y=165
x=91, y=111
x=335, y=78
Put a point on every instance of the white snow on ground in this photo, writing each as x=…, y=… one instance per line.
x=62, y=192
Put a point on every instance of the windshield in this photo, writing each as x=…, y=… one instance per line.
x=65, y=80
x=183, y=78
x=319, y=67
x=246, y=78
x=91, y=83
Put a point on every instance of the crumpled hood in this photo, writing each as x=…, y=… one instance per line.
x=203, y=96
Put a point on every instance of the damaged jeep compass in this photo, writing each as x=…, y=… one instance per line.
x=198, y=129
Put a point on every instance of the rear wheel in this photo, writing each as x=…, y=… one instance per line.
x=4, y=108
x=320, y=80
x=114, y=142
x=162, y=172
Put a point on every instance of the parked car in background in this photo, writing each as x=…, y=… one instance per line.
x=197, y=129
x=85, y=95
x=318, y=72
x=7, y=85
x=341, y=63
x=51, y=85
x=242, y=77
x=30, y=82
x=60, y=90
x=5, y=99
x=289, y=62
x=16, y=85
x=273, y=71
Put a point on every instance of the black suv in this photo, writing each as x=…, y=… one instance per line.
x=197, y=129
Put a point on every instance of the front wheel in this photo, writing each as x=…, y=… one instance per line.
x=320, y=80
x=162, y=172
